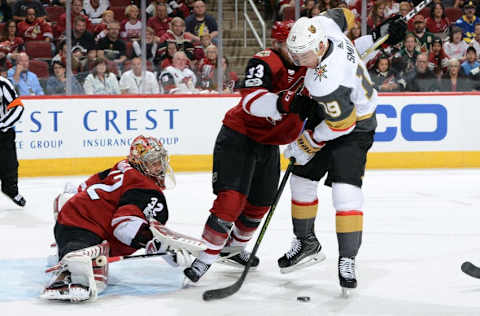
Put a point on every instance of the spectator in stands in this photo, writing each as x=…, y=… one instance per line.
x=307, y=7
x=152, y=46
x=377, y=15
x=205, y=41
x=325, y=4
x=178, y=77
x=133, y=81
x=471, y=61
x=476, y=40
x=355, y=32
x=25, y=81
x=5, y=11
x=77, y=10
x=467, y=21
x=383, y=77
x=56, y=85
x=391, y=8
x=200, y=22
x=81, y=37
x=20, y=9
x=455, y=79
x=10, y=43
x=160, y=23
x=455, y=47
x=177, y=34
x=421, y=79
x=166, y=58
x=94, y=9
x=111, y=46
x=100, y=30
x=437, y=22
x=131, y=28
x=407, y=56
x=437, y=59
x=316, y=10
x=101, y=81
x=35, y=29
x=423, y=37
x=208, y=77
x=210, y=56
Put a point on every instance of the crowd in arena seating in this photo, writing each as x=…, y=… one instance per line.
x=106, y=37
x=439, y=53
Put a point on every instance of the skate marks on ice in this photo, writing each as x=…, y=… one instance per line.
x=25, y=278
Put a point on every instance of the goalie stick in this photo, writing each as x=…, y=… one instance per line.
x=232, y=289
x=406, y=18
x=471, y=269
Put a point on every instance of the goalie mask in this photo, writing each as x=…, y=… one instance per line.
x=148, y=156
x=304, y=41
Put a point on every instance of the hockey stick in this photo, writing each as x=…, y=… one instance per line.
x=146, y=255
x=406, y=18
x=232, y=289
x=471, y=269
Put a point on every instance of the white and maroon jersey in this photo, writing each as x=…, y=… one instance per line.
x=114, y=204
x=342, y=87
x=256, y=115
x=173, y=77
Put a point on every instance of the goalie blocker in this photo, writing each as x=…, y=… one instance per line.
x=115, y=207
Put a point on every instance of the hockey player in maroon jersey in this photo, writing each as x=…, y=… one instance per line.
x=113, y=213
x=246, y=159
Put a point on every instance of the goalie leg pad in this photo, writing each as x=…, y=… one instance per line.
x=81, y=275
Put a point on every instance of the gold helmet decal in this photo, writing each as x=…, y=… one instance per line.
x=312, y=29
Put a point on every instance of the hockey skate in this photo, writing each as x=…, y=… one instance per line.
x=63, y=289
x=18, y=199
x=346, y=274
x=304, y=252
x=237, y=259
x=196, y=270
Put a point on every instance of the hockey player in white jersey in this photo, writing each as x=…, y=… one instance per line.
x=338, y=80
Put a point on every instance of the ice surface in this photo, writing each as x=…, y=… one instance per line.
x=419, y=227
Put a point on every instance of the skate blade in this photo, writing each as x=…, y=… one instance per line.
x=305, y=262
x=346, y=292
x=227, y=262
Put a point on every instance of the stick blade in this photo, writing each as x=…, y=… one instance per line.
x=470, y=269
x=224, y=292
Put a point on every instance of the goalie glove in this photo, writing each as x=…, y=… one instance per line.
x=174, y=257
x=395, y=26
x=303, y=149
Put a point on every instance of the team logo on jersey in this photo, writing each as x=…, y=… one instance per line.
x=312, y=29
x=320, y=72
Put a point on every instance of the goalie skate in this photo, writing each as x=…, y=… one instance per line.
x=304, y=252
x=62, y=289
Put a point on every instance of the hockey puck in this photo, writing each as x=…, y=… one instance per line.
x=303, y=298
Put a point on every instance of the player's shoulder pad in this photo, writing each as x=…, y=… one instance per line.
x=270, y=58
x=151, y=202
x=259, y=72
x=344, y=18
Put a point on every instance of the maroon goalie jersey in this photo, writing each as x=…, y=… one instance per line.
x=114, y=204
x=266, y=73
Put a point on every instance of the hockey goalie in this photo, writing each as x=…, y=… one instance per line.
x=114, y=213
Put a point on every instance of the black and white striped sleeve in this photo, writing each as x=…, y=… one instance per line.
x=12, y=107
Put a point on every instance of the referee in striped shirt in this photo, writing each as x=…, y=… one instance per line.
x=11, y=109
